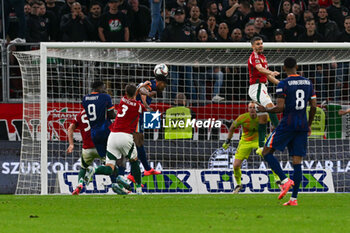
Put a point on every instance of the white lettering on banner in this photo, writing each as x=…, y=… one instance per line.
x=204, y=182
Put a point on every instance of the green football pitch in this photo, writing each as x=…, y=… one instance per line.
x=174, y=213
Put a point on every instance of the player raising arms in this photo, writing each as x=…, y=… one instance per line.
x=89, y=152
x=121, y=143
x=248, y=142
x=293, y=93
x=145, y=96
x=259, y=75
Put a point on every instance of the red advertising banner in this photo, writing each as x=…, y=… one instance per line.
x=60, y=115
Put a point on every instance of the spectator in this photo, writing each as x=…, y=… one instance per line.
x=249, y=32
x=286, y=9
x=278, y=36
x=157, y=25
x=311, y=35
x=27, y=9
x=66, y=9
x=296, y=10
x=223, y=33
x=194, y=19
x=337, y=13
x=313, y=7
x=236, y=35
x=114, y=26
x=212, y=10
x=232, y=15
x=259, y=29
x=307, y=15
x=178, y=31
x=50, y=20
x=188, y=7
x=212, y=27
x=327, y=28
x=139, y=18
x=75, y=26
x=53, y=7
x=37, y=30
x=18, y=6
x=292, y=30
x=344, y=36
x=259, y=11
x=94, y=19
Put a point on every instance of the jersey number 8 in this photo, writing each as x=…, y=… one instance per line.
x=299, y=103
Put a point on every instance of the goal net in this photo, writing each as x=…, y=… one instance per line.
x=214, y=78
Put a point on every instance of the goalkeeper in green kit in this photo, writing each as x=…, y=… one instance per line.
x=249, y=141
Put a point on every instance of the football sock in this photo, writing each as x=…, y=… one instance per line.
x=275, y=166
x=238, y=174
x=105, y=170
x=136, y=172
x=115, y=174
x=141, y=154
x=81, y=175
x=262, y=134
x=297, y=176
x=274, y=119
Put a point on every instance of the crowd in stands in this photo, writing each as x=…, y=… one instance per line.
x=180, y=21
x=177, y=20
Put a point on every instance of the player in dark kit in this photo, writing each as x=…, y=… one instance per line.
x=145, y=96
x=293, y=93
x=100, y=110
x=121, y=143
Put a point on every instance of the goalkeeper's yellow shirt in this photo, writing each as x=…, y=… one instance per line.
x=249, y=127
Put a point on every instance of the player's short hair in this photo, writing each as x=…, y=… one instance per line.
x=180, y=97
x=161, y=78
x=290, y=62
x=97, y=84
x=347, y=17
x=255, y=38
x=130, y=89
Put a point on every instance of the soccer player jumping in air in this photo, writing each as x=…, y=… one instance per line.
x=293, y=93
x=259, y=74
x=145, y=95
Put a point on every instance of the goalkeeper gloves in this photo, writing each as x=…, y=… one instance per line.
x=226, y=144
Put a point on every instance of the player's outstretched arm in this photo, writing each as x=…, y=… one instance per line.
x=71, y=129
x=343, y=112
x=270, y=74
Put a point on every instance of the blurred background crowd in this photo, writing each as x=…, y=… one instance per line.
x=176, y=20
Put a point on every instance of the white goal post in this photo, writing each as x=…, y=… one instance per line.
x=231, y=58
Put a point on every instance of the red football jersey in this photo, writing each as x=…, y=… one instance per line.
x=128, y=113
x=82, y=123
x=254, y=75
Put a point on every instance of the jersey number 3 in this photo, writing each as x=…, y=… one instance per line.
x=300, y=96
x=125, y=108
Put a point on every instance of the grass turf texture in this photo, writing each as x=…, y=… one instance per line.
x=174, y=213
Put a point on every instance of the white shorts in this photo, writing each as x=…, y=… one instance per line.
x=258, y=92
x=88, y=156
x=120, y=145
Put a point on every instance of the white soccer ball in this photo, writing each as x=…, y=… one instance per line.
x=161, y=70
